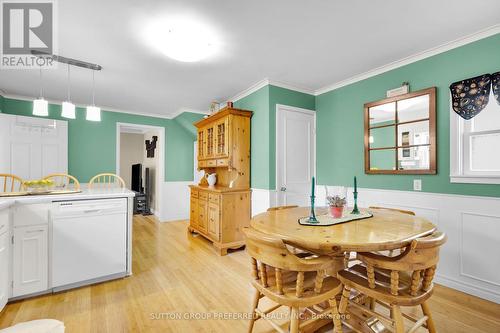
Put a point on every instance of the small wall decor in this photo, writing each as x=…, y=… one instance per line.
x=151, y=146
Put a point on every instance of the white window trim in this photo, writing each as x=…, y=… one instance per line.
x=457, y=174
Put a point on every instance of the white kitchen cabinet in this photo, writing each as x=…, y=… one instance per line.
x=4, y=258
x=30, y=271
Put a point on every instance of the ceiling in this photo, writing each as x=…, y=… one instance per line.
x=308, y=44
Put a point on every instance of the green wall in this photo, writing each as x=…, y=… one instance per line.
x=263, y=129
x=92, y=145
x=1, y=103
x=340, y=147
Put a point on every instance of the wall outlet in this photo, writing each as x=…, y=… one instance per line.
x=417, y=184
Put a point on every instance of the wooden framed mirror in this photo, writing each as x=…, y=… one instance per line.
x=400, y=134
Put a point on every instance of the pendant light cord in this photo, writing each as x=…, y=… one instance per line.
x=93, y=87
x=69, y=82
x=41, y=83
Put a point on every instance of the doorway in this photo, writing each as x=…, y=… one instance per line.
x=295, y=154
x=142, y=172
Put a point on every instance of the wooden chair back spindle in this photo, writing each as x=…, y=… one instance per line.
x=10, y=183
x=63, y=181
x=106, y=180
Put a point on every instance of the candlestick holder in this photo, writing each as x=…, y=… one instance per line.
x=355, y=210
x=312, y=215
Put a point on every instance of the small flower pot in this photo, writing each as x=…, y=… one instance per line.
x=336, y=212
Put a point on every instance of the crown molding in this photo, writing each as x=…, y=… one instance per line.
x=103, y=108
x=250, y=90
x=182, y=110
x=493, y=30
x=267, y=82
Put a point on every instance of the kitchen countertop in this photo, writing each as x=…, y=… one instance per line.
x=85, y=194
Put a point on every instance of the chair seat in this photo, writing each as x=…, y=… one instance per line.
x=331, y=286
x=356, y=277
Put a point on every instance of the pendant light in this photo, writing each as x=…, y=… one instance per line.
x=93, y=112
x=68, y=108
x=40, y=105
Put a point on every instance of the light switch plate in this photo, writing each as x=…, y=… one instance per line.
x=417, y=184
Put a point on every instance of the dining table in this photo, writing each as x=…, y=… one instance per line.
x=386, y=229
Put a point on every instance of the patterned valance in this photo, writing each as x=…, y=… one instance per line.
x=470, y=96
x=495, y=84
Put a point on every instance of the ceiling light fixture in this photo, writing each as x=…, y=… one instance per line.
x=68, y=108
x=93, y=112
x=185, y=40
x=40, y=105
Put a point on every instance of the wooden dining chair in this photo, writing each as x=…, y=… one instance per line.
x=393, y=282
x=107, y=180
x=63, y=181
x=289, y=281
x=295, y=250
x=10, y=183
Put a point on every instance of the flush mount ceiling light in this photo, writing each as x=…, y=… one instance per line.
x=40, y=105
x=68, y=108
x=185, y=40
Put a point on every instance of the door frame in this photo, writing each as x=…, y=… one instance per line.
x=280, y=108
x=161, y=158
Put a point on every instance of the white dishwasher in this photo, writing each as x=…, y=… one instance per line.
x=89, y=241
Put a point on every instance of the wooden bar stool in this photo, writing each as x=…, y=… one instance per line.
x=289, y=281
x=403, y=280
x=63, y=181
x=106, y=180
x=10, y=183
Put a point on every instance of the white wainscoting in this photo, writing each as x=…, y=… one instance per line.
x=175, y=201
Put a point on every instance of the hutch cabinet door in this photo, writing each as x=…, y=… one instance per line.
x=202, y=215
x=221, y=130
x=201, y=144
x=210, y=141
x=193, y=216
x=213, y=220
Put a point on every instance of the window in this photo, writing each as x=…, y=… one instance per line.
x=474, y=146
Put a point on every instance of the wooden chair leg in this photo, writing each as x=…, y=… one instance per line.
x=344, y=300
x=294, y=320
x=255, y=304
x=430, y=322
x=337, y=323
x=398, y=319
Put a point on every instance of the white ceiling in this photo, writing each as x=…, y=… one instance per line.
x=309, y=44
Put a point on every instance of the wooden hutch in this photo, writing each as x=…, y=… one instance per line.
x=219, y=213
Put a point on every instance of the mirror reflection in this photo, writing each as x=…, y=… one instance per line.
x=400, y=134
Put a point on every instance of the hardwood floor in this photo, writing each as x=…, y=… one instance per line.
x=176, y=274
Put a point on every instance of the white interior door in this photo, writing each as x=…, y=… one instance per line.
x=32, y=148
x=295, y=155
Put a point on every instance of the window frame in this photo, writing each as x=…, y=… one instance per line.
x=460, y=135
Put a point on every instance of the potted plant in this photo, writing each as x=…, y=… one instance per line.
x=336, y=204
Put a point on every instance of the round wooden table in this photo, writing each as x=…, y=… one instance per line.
x=386, y=230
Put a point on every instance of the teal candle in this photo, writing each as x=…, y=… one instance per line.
x=355, y=184
x=312, y=187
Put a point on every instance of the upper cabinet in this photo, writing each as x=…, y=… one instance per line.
x=224, y=145
x=400, y=134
